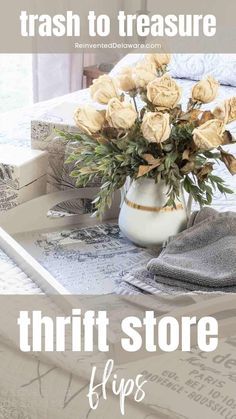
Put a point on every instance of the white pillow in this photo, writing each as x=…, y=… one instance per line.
x=192, y=66
x=196, y=66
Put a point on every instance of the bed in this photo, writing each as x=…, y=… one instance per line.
x=15, y=129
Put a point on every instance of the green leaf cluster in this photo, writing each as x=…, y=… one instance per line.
x=111, y=162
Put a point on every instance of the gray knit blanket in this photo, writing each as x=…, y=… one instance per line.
x=200, y=259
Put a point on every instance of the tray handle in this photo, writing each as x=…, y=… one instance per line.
x=33, y=215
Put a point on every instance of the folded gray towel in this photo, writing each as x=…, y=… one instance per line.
x=203, y=257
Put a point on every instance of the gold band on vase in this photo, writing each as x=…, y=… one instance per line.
x=152, y=209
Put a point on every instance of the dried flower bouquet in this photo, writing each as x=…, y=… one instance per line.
x=161, y=141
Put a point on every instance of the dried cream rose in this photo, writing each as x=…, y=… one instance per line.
x=89, y=119
x=125, y=79
x=103, y=89
x=221, y=112
x=227, y=111
x=209, y=135
x=156, y=127
x=164, y=92
x=229, y=160
x=143, y=73
x=120, y=115
x=206, y=90
x=160, y=59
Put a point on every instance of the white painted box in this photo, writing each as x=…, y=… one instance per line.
x=22, y=175
x=45, y=136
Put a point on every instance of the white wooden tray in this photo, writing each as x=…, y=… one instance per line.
x=21, y=225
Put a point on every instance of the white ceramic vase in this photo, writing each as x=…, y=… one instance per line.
x=144, y=219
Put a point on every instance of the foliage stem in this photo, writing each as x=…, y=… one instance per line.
x=135, y=105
